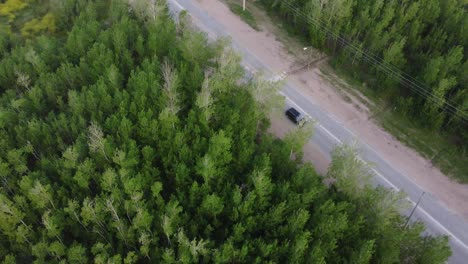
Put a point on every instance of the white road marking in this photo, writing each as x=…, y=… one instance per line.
x=393, y=186
x=178, y=5
x=341, y=142
x=457, y=240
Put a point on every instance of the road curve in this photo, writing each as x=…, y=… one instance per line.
x=329, y=132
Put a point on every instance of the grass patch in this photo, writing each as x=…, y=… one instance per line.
x=436, y=147
x=288, y=29
x=246, y=16
x=354, y=82
x=346, y=85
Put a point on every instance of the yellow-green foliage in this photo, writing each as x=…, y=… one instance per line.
x=34, y=26
x=10, y=7
x=5, y=29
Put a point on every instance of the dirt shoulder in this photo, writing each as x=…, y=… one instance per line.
x=347, y=108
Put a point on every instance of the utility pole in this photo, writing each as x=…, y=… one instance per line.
x=414, y=209
x=309, y=56
x=243, y=5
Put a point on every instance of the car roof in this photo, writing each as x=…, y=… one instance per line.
x=294, y=111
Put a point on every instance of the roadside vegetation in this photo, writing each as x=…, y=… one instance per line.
x=245, y=15
x=433, y=145
x=423, y=39
x=126, y=137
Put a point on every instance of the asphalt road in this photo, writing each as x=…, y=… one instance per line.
x=329, y=133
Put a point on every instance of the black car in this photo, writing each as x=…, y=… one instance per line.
x=294, y=115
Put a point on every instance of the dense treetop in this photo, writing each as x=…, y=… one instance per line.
x=127, y=137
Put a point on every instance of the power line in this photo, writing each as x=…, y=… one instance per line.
x=367, y=55
x=405, y=79
x=389, y=69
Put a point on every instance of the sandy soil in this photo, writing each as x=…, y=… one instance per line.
x=348, y=111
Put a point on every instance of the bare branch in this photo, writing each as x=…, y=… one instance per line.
x=96, y=139
x=23, y=80
x=171, y=82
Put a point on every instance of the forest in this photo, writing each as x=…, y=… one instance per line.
x=128, y=137
x=424, y=40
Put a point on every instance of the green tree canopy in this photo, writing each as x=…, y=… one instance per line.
x=121, y=143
